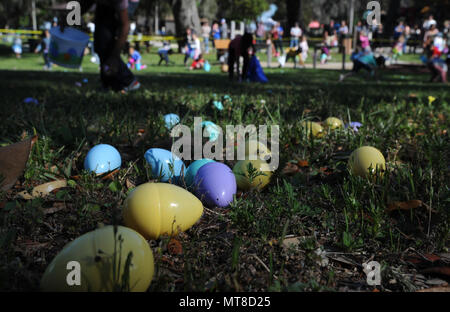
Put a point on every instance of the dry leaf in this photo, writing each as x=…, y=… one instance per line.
x=303, y=163
x=110, y=175
x=174, y=247
x=292, y=242
x=13, y=159
x=56, y=207
x=408, y=205
x=43, y=189
x=130, y=184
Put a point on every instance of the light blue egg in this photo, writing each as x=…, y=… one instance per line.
x=212, y=130
x=171, y=120
x=193, y=168
x=218, y=105
x=102, y=158
x=207, y=66
x=164, y=164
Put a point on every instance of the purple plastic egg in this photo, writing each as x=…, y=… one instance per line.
x=215, y=184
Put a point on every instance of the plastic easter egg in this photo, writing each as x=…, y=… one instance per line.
x=215, y=184
x=191, y=171
x=313, y=127
x=171, y=120
x=93, y=255
x=102, y=158
x=155, y=209
x=224, y=68
x=366, y=160
x=333, y=123
x=30, y=100
x=207, y=66
x=259, y=181
x=165, y=165
x=211, y=130
x=218, y=105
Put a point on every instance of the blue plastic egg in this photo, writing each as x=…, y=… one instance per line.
x=193, y=168
x=165, y=165
x=171, y=120
x=102, y=158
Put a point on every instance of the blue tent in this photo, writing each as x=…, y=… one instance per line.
x=255, y=71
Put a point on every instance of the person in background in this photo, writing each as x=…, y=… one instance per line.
x=280, y=36
x=397, y=51
x=17, y=47
x=399, y=30
x=429, y=22
x=304, y=50
x=296, y=33
x=415, y=37
x=111, y=32
x=275, y=36
x=240, y=46
x=188, y=43
x=45, y=48
x=435, y=63
x=260, y=33
x=343, y=29
x=196, y=46
x=362, y=60
x=215, y=32
x=325, y=53
x=430, y=33
x=223, y=28
x=134, y=60
x=198, y=63
x=164, y=53
x=206, y=32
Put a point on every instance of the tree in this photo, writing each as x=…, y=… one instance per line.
x=243, y=10
x=185, y=13
x=294, y=10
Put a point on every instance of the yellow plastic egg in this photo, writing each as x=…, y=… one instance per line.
x=314, y=128
x=241, y=173
x=255, y=149
x=87, y=263
x=155, y=209
x=366, y=160
x=333, y=123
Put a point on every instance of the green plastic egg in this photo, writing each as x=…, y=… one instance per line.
x=333, y=123
x=155, y=209
x=366, y=160
x=94, y=252
x=241, y=173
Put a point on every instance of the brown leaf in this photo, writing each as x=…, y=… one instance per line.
x=13, y=159
x=130, y=184
x=56, y=207
x=110, y=175
x=441, y=270
x=43, y=189
x=303, y=163
x=290, y=169
x=174, y=247
x=407, y=205
x=326, y=170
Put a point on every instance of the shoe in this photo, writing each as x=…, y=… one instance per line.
x=135, y=85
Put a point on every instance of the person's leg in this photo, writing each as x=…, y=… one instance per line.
x=166, y=58
x=231, y=61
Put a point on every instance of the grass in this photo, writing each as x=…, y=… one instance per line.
x=241, y=247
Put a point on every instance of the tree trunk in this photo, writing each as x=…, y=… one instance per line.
x=294, y=13
x=389, y=26
x=186, y=15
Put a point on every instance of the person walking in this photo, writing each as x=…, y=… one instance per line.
x=224, y=29
x=206, y=32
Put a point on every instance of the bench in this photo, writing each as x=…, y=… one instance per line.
x=221, y=46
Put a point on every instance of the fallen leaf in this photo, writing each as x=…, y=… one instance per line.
x=292, y=242
x=407, y=205
x=129, y=184
x=43, y=189
x=326, y=170
x=56, y=207
x=13, y=159
x=303, y=163
x=110, y=175
x=174, y=247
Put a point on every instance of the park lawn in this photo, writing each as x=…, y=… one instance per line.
x=317, y=202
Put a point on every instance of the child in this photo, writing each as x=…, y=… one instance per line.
x=362, y=60
x=397, y=51
x=325, y=54
x=198, y=63
x=304, y=53
x=17, y=47
x=134, y=60
x=164, y=53
x=45, y=47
